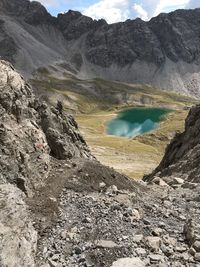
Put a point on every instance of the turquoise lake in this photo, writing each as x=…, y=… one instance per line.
x=136, y=121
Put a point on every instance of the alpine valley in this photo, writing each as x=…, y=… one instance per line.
x=99, y=139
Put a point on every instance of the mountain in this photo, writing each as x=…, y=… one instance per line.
x=163, y=52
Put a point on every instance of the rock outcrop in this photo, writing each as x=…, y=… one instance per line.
x=163, y=52
x=30, y=132
x=180, y=164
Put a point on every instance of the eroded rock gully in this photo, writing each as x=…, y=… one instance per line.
x=60, y=207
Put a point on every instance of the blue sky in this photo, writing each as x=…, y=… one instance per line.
x=118, y=10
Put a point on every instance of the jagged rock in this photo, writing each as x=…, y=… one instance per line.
x=177, y=181
x=30, y=131
x=168, y=58
x=159, y=181
x=105, y=244
x=62, y=134
x=23, y=146
x=153, y=242
x=180, y=163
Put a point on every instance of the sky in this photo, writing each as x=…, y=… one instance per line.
x=118, y=10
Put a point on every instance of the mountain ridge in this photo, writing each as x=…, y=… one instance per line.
x=163, y=52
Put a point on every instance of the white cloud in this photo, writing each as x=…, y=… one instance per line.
x=120, y=10
x=112, y=11
x=141, y=12
x=48, y=2
x=169, y=5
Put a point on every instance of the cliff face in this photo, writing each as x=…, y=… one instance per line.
x=30, y=131
x=163, y=52
x=181, y=159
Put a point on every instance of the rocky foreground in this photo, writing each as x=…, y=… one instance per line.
x=60, y=207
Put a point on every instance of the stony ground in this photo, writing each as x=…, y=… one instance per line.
x=99, y=226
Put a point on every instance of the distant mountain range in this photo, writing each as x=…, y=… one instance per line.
x=164, y=52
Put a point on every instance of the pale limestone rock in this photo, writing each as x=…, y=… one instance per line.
x=128, y=262
x=18, y=237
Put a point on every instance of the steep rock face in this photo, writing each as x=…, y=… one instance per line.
x=30, y=131
x=182, y=155
x=22, y=142
x=178, y=33
x=174, y=36
x=73, y=24
x=62, y=133
x=123, y=44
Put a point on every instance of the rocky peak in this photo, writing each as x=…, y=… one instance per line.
x=32, y=12
x=73, y=24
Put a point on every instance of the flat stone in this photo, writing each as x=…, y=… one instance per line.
x=105, y=244
x=153, y=242
x=140, y=251
x=181, y=249
x=137, y=238
x=177, y=180
x=128, y=262
x=102, y=185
